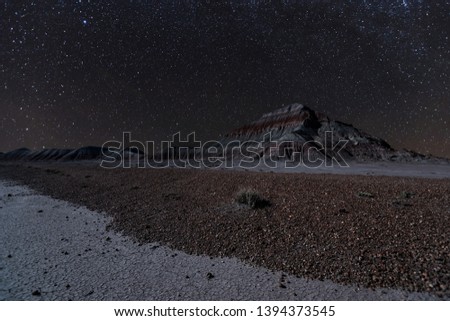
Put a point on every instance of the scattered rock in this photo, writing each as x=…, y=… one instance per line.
x=89, y=293
x=209, y=275
x=36, y=293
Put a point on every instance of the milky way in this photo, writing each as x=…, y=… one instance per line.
x=76, y=73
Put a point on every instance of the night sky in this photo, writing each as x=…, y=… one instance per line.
x=75, y=73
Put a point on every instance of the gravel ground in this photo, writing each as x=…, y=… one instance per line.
x=377, y=232
x=52, y=250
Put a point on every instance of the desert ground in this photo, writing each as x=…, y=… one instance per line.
x=179, y=234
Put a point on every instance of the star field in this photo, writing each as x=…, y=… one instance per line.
x=76, y=73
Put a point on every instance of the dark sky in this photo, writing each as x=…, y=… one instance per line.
x=81, y=72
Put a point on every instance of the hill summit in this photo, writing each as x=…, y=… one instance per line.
x=307, y=129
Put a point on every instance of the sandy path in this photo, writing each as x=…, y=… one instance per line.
x=437, y=171
x=65, y=252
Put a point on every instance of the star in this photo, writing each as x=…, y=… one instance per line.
x=211, y=66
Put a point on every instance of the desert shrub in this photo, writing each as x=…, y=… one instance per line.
x=251, y=198
x=406, y=195
x=401, y=203
x=365, y=194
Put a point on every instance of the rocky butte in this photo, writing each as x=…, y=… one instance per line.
x=306, y=130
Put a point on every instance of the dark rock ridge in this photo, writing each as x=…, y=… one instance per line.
x=16, y=154
x=306, y=129
x=295, y=130
x=56, y=154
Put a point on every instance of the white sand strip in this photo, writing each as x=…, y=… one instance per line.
x=438, y=171
x=64, y=252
